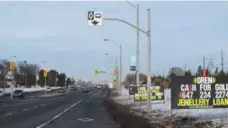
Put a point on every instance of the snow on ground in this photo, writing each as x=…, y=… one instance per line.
x=164, y=108
x=34, y=88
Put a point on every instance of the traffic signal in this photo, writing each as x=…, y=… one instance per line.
x=96, y=72
x=12, y=65
x=204, y=73
x=45, y=73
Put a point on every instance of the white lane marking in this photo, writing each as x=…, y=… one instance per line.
x=91, y=92
x=25, y=109
x=96, y=93
x=8, y=114
x=8, y=105
x=58, y=115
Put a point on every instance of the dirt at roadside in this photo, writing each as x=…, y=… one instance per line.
x=124, y=118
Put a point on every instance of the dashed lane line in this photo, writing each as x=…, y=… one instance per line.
x=97, y=92
x=8, y=114
x=26, y=109
x=58, y=115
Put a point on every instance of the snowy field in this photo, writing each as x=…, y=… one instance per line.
x=35, y=88
x=163, y=109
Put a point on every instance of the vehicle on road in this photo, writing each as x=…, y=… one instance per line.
x=62, y=90
x=85, y=90
x=73, y=88
x=18, y=94
x=1, y=93
x=48, y=89
x=98, y=86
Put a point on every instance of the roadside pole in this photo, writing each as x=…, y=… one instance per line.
x=148, y=59
x=120, y=85
x=45, y=80
x=98, y=21
x=137, y=50
x=11, y=91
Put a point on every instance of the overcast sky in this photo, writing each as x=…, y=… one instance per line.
x=57, y=32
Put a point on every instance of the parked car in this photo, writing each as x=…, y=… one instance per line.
x=18, y=94
x=62, y=90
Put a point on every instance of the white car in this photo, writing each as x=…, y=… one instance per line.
x=1, y=93
x=98, y=86
x=48, y=89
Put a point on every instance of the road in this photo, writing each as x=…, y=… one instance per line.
x=69, y=110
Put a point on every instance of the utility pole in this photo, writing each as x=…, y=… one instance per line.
x=147, y=33
x=185, y=67
x=204, y=61
x=148, y=59
x=137, y=49
x=120, y=67
x=222, y=59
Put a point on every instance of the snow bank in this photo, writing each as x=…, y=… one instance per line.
x=164, y=107
x=35, y=88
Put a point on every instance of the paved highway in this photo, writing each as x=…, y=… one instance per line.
x=68, y=110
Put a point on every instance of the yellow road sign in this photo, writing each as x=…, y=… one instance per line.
x=96, y=72
x=12, y=65
x=45, y=72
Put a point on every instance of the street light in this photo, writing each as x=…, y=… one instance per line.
x=137, y=44
x=119, y=45
x=148, y=34
x=106, y=54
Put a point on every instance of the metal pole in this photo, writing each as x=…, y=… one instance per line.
x=45, y=85
x=148, y=59
x=204, y=62
x=117, y=77
x=137, y=50
x=4, y=81
x=120, y=66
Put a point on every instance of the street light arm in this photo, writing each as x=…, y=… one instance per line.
x=124, y=21
x=131, y=4
x=115, y=43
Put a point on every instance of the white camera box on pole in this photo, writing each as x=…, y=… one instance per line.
x=110, y=85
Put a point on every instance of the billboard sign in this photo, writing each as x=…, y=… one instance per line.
x=157, y=93
x=199, y=92
x=133, y=63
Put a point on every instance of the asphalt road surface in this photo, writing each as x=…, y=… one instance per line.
x=68, y=110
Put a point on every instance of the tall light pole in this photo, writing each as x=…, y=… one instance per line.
x=119, y=45
x=148, y=59
x=137, y=44
x=148, y=34
x=116, y=65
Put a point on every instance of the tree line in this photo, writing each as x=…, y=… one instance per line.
x=176, y=71
x=30, y=74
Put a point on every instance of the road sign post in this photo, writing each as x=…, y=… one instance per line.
x=96, y=72
x=45, y=73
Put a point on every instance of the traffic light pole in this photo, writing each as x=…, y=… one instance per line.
x=45, y=84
